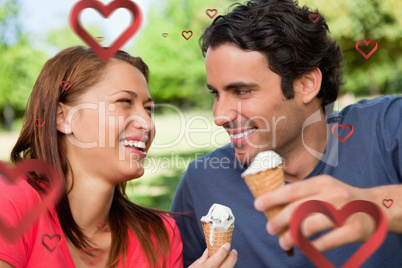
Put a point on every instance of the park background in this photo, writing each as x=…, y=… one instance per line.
x=33, y=31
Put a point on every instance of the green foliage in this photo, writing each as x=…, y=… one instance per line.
x=176, y=64
x=379, y=20
x=19, y=63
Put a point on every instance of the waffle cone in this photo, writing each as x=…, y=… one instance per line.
x=221, y=237
x=264, y=182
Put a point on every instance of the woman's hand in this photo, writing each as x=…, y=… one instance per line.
x=223, y=258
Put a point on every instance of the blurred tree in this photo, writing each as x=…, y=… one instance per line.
x=378, y=20
x=19, y=63
x=176, y=64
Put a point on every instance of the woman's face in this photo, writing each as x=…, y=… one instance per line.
x=111, y=125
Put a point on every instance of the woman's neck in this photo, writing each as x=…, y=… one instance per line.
x=90, y=201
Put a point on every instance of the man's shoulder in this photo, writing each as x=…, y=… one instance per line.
x=375, y=105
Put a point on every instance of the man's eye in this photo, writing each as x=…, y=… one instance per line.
x=242, y=91
x=150, y=109
x=214, y=92
x=125, y=100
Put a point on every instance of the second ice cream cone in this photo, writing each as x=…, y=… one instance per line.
x=220, y=237
x=218, y=227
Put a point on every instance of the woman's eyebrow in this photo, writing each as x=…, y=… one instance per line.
x=133, y=94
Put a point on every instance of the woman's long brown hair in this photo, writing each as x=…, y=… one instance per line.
x=83, y=68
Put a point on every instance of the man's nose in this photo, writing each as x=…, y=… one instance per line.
x=225, y=111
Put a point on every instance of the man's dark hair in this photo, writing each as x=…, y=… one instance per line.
x=292, y=43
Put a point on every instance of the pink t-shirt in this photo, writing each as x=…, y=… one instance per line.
x=44, y=244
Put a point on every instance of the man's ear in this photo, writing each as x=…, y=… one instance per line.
x=309, y=85
x=63, y=125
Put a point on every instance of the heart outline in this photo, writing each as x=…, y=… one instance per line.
x=46, y=246
x=165, y=35
x=41, y=125
x=314, y=15
x=366, y=43
x=182, y=33
x=12, y=174
x=89, y=256
x=342, y=127
x=387, y=200
x=68, y=86
x=338, y=216
x=101, y=226
x=214, y=10
x=106, y=53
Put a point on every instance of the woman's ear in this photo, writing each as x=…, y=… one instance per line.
x=309, y=85
x=63, y=124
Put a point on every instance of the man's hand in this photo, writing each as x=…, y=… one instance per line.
x=358, y=228
x=223, y=258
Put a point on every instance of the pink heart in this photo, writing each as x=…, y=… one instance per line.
x=39, y=122
x=342, y=127
x=101, y=226
x=387, y=202
x=57, y=188
x=314, y=17
x=366, y=43
x=191, y=34
x=55, y=245
x=210, y=11
x=106, y=53
x=91, y=256
x=338, y=216
x=65, y=85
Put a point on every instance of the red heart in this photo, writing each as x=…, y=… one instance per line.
x=101, y=226
x=66, y=85
x=106, y=53
x=366, y=43
x=57, y=187
x=91, y=256
x=342, y=127
x=314, y=17
x=191, y=34
x=211, y=11
x=165, y=35
x=51, y=238
x=338, y=216
x=39, y=122
x=386, y=201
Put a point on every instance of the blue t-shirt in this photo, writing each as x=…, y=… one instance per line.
x=369, y=157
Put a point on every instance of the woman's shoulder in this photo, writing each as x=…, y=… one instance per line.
x=17, y=194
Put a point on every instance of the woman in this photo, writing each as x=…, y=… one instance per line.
x=97, y=132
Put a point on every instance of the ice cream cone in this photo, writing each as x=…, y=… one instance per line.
x=264, y=182
x=261, y=180
x=218, y=227
x=220, y=237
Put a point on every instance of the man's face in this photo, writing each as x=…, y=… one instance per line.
x=249, y=104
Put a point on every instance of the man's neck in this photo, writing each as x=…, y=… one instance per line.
x=299, y=162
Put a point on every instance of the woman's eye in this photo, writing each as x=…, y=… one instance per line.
x=125, y=100
x=150, y=109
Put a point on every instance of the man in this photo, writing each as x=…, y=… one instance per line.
x=274, y=74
